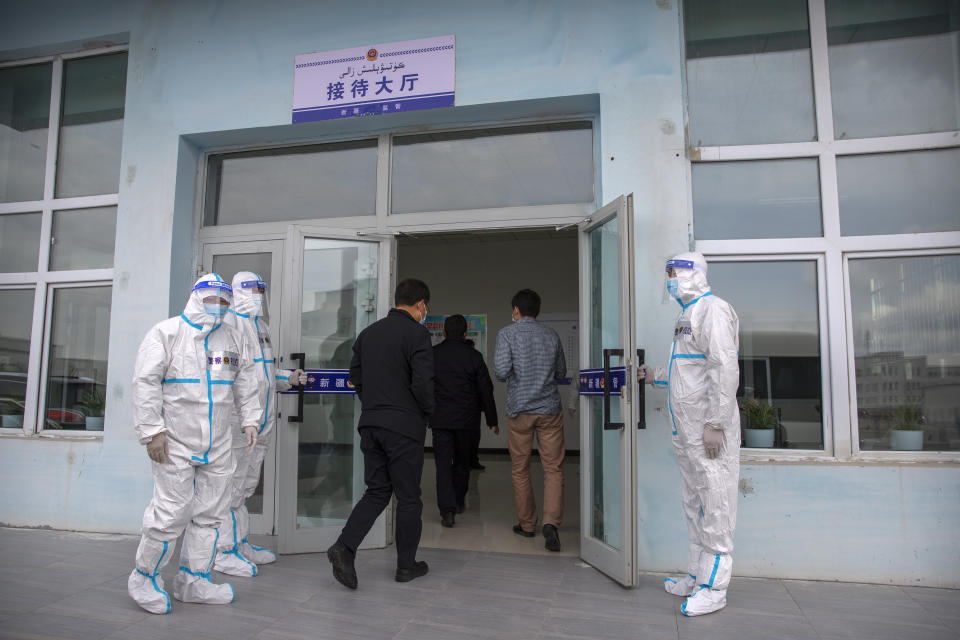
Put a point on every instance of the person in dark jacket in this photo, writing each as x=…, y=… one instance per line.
x=392, y=373
x=463, y=389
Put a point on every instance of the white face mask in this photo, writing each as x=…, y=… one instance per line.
x=423, y=316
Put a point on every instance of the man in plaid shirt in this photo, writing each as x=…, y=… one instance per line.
x=529, y=358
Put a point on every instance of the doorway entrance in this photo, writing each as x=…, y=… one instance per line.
x=334, y=281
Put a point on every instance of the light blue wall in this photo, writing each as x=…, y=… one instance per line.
x=199, y=68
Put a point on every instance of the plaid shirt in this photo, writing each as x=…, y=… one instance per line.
x=529, y=358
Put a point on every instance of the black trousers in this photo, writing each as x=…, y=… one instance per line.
x=475, y=453
x=392, y=464
x=452, y=450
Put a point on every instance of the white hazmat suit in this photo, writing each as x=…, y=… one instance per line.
x=191, y=374
x=702, y=381
x=235, y=555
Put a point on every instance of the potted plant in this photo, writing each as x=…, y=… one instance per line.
x=92, y=403
x=759, y=424
x=12, y=414
x=907, y=431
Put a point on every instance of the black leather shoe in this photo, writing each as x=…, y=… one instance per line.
x=447, y=519
x=517, y=529
x=417, y=570
x=342, y=560
x=477, y=466
x=552, y=538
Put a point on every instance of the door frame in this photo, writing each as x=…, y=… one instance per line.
x=619, y=564
x=266, y=521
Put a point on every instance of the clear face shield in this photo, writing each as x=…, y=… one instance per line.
x=216, y=297
x=256, y=292
x=670, y=280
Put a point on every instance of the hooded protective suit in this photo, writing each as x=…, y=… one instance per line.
x=191, y=375
x=702, y=380
x=235, y=555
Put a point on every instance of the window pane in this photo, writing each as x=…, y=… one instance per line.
x=899, y=192
x=756, y=199
x=19, y=242
x=91, y=125
x=24, y=119
x=16, y=323
x=779, y=347
x=748, y=71
x=293, y=183
x=77, y=368
x=519, y=166
x=894, y=66
x=83, y=238
x=906, y=344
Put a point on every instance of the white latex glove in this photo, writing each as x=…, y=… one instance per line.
x=712, y=441
x=298, y=378
x=645, y=373
x=157, y=448
x=251, y=433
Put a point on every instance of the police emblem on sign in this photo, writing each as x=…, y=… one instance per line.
x=372, y=54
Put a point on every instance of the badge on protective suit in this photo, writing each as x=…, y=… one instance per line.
x=222, y=360
x=683, y=328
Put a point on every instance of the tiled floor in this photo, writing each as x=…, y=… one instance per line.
x=487, y=523
x=71, y=585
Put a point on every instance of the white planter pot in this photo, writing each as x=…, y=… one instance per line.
x=14, y=421
x=758, y=438
x=94, y=424
x=901, y=440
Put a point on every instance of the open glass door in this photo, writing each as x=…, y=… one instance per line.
x=337, y=285
x=608, y=413
x=264, y=258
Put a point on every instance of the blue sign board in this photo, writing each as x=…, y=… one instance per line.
x=591, y=381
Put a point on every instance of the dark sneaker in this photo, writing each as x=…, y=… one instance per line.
x=417, y=570
x=447, y=519
x=517, y=529
x=552, y=538
x=342, y=560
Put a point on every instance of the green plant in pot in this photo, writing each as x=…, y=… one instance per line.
x=93, y=402
x=906, y=433
x=759, y=423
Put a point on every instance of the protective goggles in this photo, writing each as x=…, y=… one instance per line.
x=680, y=264
x=219, y=285
x=254, y=286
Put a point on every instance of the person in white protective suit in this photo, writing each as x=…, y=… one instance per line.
x=235, y=554
x=192, y=374
x=702, y=381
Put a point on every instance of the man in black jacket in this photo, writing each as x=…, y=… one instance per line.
x=392, y=373
x=463, y=388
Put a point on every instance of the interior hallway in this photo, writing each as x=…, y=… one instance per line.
x=57, y=584
x=487, y=523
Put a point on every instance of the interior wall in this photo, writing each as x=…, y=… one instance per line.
x=479, y=273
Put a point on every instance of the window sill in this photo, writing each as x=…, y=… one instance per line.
x=75, y=436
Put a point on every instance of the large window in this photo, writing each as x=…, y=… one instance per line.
x=826, y=151
x=59, y=177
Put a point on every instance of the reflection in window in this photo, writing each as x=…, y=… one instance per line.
x=906, y=342
x=779, y=347
x=77, y=365
x=292, y=183
x=24, y=119
x=228, y=265
x=91, y=125
x=506, y=167
x=876, y=191
x=894, y=66
x=19, y=242
x=16, y=324
x=749, y=76
x=83, y=238
x=756, y=199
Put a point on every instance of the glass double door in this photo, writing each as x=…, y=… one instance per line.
x=325, y=287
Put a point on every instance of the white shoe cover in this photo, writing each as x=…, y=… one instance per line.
x=148, y=592
x=259, y=555
x=188, y=587
x=704, y=601
x=233, y=563
x=680, y=585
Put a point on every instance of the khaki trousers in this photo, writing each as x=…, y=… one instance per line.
x=549, y=430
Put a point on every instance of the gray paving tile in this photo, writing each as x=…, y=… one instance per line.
x=315, y=624
x=943, y=604
x=579, y=626
x=505, y=625
x=419, y=630
x=733, y=625
x=47, y=625
x=836, y=627
x=111, y=605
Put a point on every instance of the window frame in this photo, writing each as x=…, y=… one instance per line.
x=834, y=248
x=42, y=278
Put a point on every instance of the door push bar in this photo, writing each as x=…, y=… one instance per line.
x=301, y=359
x=641, y=394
